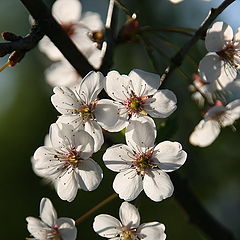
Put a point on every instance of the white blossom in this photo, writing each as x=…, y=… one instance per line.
x=81, y=108
x=220, y=65
x=142, y=165
x=138, y=95
x=216, y=117
x=86, y=31
x=66, y=161
x=50, y=227
x=62, y=73
x=128, y=228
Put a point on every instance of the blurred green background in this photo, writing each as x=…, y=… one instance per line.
x=26, y=113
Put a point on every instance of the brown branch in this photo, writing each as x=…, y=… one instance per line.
x=177, y=60
x=54, y=31
x=18, y=45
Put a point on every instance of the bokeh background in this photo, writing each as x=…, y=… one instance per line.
x=26, y=113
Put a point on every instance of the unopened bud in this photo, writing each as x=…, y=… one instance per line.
x=129, y=29
x=16, y=57
x=8, y=36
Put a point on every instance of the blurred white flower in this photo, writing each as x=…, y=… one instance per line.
x=62, y=73
x=142, y=165
x=129, y=227
x=86, y=31
x=51, y=227
x=220, y=65
x=175, y=1
x=201, y=90
x=81, y=108
x=138, y=95
x=67, y=163
x=216, y=117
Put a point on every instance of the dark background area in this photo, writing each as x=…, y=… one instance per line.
x=26, y=113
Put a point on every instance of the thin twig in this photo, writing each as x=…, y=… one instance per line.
x=55, y=32
x=177, y=60
x=94, y=209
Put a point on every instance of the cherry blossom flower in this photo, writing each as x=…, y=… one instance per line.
x=51, y=227
x=216, y=117
x=221, y=63
x=86, y=31
x=142, y=165
x=139, y=96
x=67, y=163
x=81, y=108
x=129, y=227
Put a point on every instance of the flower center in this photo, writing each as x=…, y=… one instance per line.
x=54, y=235
x=97, y=37
x=229, y=53
x=73, y=158
x=87, y=111
x=136, y=105
x=69, y=28
x=143, y=162
x=128, y=235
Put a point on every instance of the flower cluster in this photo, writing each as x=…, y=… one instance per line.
x=65, y=159
x=217, y=83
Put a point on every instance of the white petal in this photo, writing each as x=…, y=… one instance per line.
x=205, y=133
x=65, y=100
x=232, y=114
x=217, y=36
x=237, y=35
x=175, y=1
x=75, y=120
x=45, y=164
x=92, y=20
x=37, y=228
x=144, y=83
x=67, y=11
x=106, y=225
x=169, y=156
x=128, y=184
x=227, y=75
x=96, y=57
x=93, y=128
x=129, y=215
x=62, y=74
x=157, y=185
x=67, y=186
x=67, y=229
x=51, y=51
x=117, y=86
x=89, y=175
x=210, y=67
x=47, y=212
x=140, y=133
x=65, y=136
x=91, y=86
x=152, y=231
x=162, y=104
x=108, y=115
x=118, y=157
